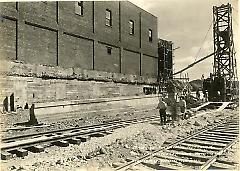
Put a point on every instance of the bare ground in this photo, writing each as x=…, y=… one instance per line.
x=114, y=149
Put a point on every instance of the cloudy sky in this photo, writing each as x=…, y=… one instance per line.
x=186, y=23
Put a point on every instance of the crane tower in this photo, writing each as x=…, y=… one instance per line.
x=224, y=69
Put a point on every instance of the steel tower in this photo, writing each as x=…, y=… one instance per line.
x=224, y=57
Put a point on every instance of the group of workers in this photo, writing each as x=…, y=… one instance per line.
x=162, y=106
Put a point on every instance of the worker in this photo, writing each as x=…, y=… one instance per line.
x=162, y=106
x=184, y=91
x=206, y=96
x=198, y=94
x=183, y=105
x=219, y=96
x=173, y=107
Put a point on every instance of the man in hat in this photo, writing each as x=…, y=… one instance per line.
x=162, y=106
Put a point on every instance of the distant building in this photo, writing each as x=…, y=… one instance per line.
x=111, y=36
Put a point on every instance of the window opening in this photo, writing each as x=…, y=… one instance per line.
x=150, y=35
x=79, y=8
x=108, y=18
x=131, y=27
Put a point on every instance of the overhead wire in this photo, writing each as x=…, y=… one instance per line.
x=235, y=9
x=195, y=60
x=203, y=42
x=220, y=1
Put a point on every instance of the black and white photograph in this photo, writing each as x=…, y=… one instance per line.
x=119, y=85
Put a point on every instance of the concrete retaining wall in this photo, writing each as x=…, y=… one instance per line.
x=31, y=83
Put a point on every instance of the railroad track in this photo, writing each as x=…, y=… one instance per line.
x=20, y=145
x=198, y=151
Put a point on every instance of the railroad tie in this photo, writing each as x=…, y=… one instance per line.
x=19, y=152
x=159, y=164
x=35, y=149
x=116, y=164
x=97, y=135
x=6, y=155
x=173, y=158
x=61, y=143
x=74, y=141
x=84, y=138
x=108, y=132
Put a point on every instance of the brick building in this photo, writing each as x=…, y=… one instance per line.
x=111, y=36
x=61, y=51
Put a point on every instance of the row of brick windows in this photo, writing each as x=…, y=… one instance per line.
x=108, y=22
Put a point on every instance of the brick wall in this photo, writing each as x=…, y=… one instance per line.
x=38, y=45
x=130, y=12
x=104, y=61
x=43, y=13
x=52, y=33
x=76, y=24
x=78, y=51
x=107, y=34
x=8, y=40
x=131, y=62
x=149, y=65
x=147, y=20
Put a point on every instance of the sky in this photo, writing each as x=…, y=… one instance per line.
x=186, y=23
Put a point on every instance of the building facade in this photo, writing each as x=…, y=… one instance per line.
x=111, y=36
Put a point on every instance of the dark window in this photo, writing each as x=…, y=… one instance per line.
x=79, y=8
x=108, y=18
x=150, y=35
x=109, y=50
x=131, y=27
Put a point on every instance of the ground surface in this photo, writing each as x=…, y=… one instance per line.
x=82, y=120
x=114, y=149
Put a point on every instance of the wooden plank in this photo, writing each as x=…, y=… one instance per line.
x=224, y=105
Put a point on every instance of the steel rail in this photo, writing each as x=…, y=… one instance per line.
x=71, y=129
x=56, y=137
x=208, y=163
x=172, y=145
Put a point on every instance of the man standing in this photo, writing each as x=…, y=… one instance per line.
x=162, y=106
x=198, y=94
x=183, y=105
